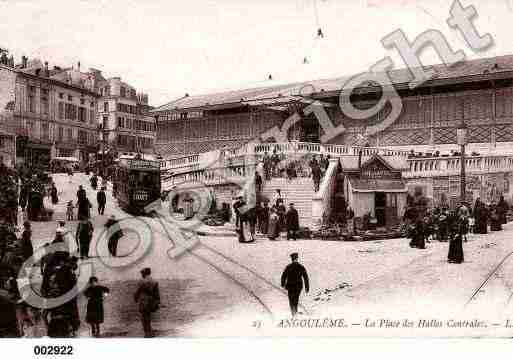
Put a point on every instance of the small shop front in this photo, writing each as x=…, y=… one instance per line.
x=377, y=190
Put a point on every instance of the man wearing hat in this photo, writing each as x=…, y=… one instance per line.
x=101, y=198
x=147, y=297
x=26, y=241
x=115, y=233
x=239, y=222
x=292, y=280
x=292, y=222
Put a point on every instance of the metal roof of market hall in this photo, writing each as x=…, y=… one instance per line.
x=465, y=71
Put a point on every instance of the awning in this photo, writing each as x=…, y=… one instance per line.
x=377, y=185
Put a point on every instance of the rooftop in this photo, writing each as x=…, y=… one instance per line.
x=472, y=70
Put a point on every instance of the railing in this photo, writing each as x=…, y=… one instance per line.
x=451, y=166
x=322, y=200
x=258, y=150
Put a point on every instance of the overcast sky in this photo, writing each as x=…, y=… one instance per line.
x=168, y=48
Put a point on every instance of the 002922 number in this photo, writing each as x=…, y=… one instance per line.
x=53, y=350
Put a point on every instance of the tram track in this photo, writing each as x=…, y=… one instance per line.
x=489, y=278
x=260, y=289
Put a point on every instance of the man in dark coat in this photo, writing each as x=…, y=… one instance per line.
x=502, y=210
x=316, y=175
x=81, y=194
x=292, y=279
x=115, y=233
x=84, y=236
x=84, y=207
x=258, y=182
x=101, y=198
x=237, y=206
x=26, y=241
x=54, y=194
x=292, y=221
x=147, y=297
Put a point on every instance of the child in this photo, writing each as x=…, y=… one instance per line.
x=95, y=294
x=69, y=211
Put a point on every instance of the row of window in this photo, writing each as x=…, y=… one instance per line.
x=62, y=134
x=69, y=111
x=70, y=98
x=183, y=115
x=134, y=124
x=134, y=143
x=123, y=107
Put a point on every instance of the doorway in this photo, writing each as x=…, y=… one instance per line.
x=380, y=203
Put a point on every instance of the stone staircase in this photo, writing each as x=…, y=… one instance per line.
x=298, y=191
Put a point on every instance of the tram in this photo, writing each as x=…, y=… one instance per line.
x=136, y=184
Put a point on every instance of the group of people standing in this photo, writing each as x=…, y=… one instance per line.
x=453, y=225
x=266, y=220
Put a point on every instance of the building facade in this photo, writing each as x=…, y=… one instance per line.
x=52, y=112
x=123, y=116
x=478, y=92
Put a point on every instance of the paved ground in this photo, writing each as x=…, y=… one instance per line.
x=223, y=288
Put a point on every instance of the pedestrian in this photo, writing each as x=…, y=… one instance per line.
x=292, y=279
x=54, y=194
x=115, y=233
x=316, y=175
x=147, y=297
x=84, y=237
x=455, y=254
x=277, y=196
x=274, y=225
x=84, y=207
x=81, y=194
x=481, y=217
x=27, y=249
x=239, y=223
x=292, y=222
x=101, y=198
x=258, y=182
x=263, y=218
x=503, y=210
x=69, y=211
x=95, y=294
x=281, y=211
x=94, y=181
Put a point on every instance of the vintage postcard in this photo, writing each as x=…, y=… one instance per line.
x=255, y=169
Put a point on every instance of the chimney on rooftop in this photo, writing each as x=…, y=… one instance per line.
x=78, y=66
x=47, y=72
x=24, y=60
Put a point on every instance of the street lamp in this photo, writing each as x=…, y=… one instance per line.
x=461, y=135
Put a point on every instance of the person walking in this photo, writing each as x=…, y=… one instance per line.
x=95, y=294
x=292, y=221
x=274, y=227
x=316, y=175
x=147, y=297
x=27, y=249
x=258, y=183
x=54, y=194
x=115, y=233
x=263, y=218
x=292, y=279
x=84, y=236
x=101, y=198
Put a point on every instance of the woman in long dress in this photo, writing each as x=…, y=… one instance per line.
x=274, y=225
x=456, y=244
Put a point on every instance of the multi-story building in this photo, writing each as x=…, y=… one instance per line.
x=52, y=112
x=123, y=116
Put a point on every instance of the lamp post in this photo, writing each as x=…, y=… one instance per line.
x=461, y=134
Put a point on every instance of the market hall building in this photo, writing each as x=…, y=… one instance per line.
x=478, y=92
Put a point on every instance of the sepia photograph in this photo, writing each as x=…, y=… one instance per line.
x=255, y=169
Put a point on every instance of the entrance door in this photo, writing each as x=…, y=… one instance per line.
x=380, y=203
